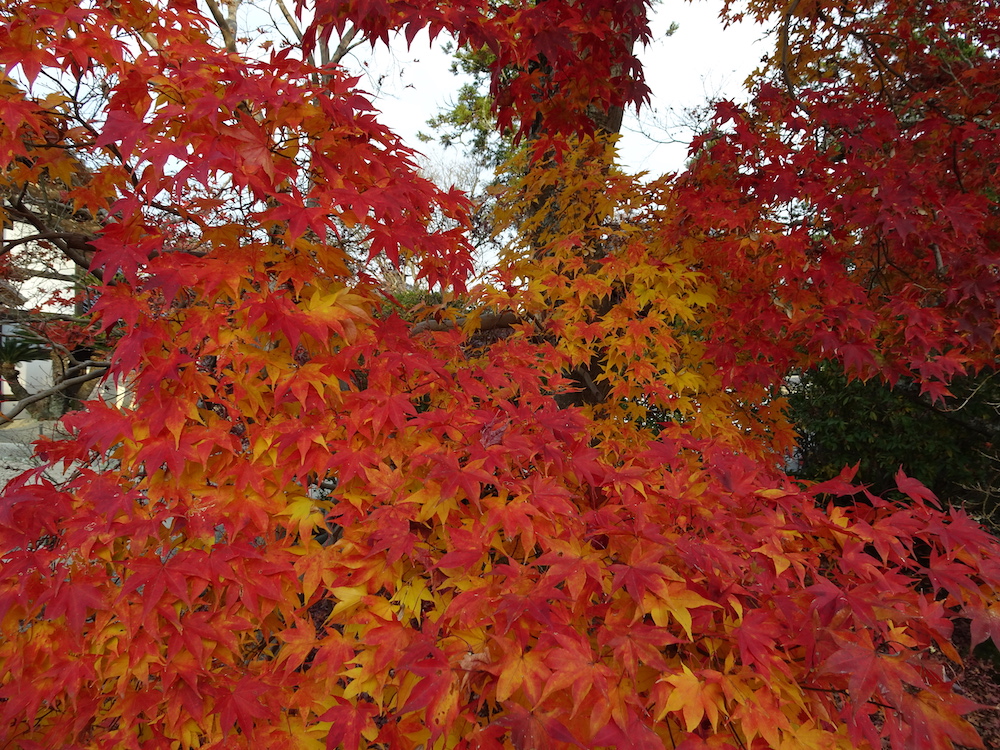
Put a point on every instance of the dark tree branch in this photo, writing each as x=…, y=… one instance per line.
x=74, y=245
x=24, y=403
x=487, y=322
x=11, y=315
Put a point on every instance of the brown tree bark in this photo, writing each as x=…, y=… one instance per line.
x=8, y=371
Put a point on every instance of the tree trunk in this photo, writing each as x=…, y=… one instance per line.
x=8, y=371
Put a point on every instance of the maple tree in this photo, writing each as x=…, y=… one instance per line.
x=550, y=514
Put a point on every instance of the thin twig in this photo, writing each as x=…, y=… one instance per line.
x=972, y=395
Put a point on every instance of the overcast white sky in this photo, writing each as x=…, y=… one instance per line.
x=701, y=60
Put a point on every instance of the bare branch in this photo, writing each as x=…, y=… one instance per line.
x=10, y=315
x=783, y=44
x=24, y=403
x=785, y=47
x=972, y=395
x=227, y=31
x=86, y=364
x=75, y=246
x=290, y=19
x=346, y=45
x=487, y=322
x=9, y=245
x=35, y=273
x=938, y=260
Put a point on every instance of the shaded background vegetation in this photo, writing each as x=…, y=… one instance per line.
x=950, y=446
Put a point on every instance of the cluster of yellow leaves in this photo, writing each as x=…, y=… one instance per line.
x=603, y=274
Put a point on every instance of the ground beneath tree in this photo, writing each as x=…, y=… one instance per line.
x=978, y=679
x=16, y=453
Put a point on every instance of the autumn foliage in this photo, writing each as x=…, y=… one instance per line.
x=324, y=524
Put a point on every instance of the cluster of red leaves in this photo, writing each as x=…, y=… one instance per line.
x=850, y=212
x=317, y=529
x=553, y=62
